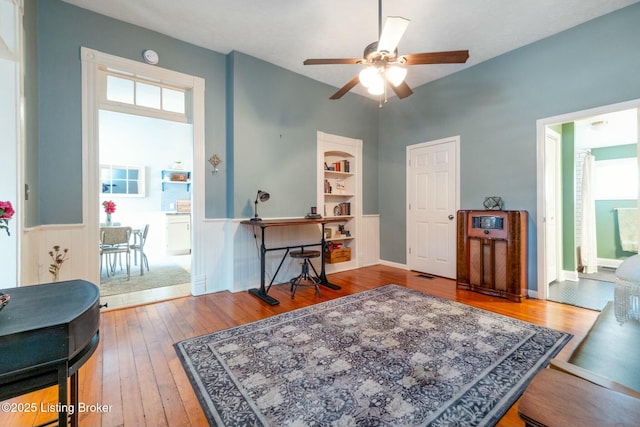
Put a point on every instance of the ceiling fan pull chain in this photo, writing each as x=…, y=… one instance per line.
x=379, y=18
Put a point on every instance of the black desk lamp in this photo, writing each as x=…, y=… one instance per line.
x=262, y=196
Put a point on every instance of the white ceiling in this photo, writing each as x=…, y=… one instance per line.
x=286, y=32
x=607, y=130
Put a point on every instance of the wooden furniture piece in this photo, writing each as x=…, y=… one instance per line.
x=492, y=253
x=267, y=223
x=47, y=332
x=557, y=399
x=610, y=349
x=305, y=274
x=599, y=383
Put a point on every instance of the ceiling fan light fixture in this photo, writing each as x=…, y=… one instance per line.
x=377, y=88
x=369, y=76
x=395, y=75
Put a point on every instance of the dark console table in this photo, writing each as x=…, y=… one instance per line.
x=47, y=332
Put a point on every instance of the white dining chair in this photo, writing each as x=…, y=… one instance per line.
x=115, y=241
x=138, y=248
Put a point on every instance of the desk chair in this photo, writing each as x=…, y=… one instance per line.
x=305, y=256
x=139, y=248
x=115, y=240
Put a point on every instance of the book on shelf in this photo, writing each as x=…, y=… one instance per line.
x=341, y=166
x=345, y=208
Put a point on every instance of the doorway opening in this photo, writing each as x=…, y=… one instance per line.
x=586, y=179
x=138, y=158
x=144, y=92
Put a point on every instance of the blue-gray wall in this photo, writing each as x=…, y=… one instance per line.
x=494, y=107
x=61, y=30
x=260, y=119
x=276, y=115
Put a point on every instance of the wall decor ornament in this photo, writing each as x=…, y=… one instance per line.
x=215, y=162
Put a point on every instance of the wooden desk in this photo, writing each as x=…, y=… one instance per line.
x=47, y=332
x=267, y=223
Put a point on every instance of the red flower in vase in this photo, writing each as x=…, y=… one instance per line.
x=109, y=206
x=6, y=213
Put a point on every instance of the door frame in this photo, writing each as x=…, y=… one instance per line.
x=455, y=140
x=92, y=60
x=541, y=125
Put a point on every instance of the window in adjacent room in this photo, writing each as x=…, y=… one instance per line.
x=122, y=180
x=616, y=179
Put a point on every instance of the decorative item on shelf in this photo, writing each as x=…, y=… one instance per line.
x=336, y=252
x=58, y=257
x=262, y=196
x=215, y=162
x=313, y=214
x=493, y=203
x=341, y=209
x=109, y=208
x=4, y=300
x=343, y=231
x=179, y=177
x=177, y=165
x=6, y=213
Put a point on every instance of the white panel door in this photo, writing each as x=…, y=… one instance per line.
x=553, y=191
x=432, y=196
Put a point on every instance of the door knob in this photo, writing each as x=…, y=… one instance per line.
x=451, y=217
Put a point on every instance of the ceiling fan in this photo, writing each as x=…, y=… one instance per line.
x=384, y=65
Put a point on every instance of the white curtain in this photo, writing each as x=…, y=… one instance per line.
x=588, y=248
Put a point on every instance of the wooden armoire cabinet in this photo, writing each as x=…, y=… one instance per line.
x=492, y=253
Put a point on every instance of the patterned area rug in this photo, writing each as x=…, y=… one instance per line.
x=390, y=356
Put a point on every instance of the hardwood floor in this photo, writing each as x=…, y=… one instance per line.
x=136, y=379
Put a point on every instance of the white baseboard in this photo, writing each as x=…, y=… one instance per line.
x=610, y=263
x=569, y=275
x=394, y=264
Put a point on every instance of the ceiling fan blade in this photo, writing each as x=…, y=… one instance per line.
x=394, y=28
x=332, y=61
x=448, y=57
x=402, y=90
x=346, y=88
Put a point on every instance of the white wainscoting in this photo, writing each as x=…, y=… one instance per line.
x=230, y=255
x=369, y=241
x=37, y=242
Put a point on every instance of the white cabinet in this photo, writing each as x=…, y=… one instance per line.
x=340, y=196
x=178, y=234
